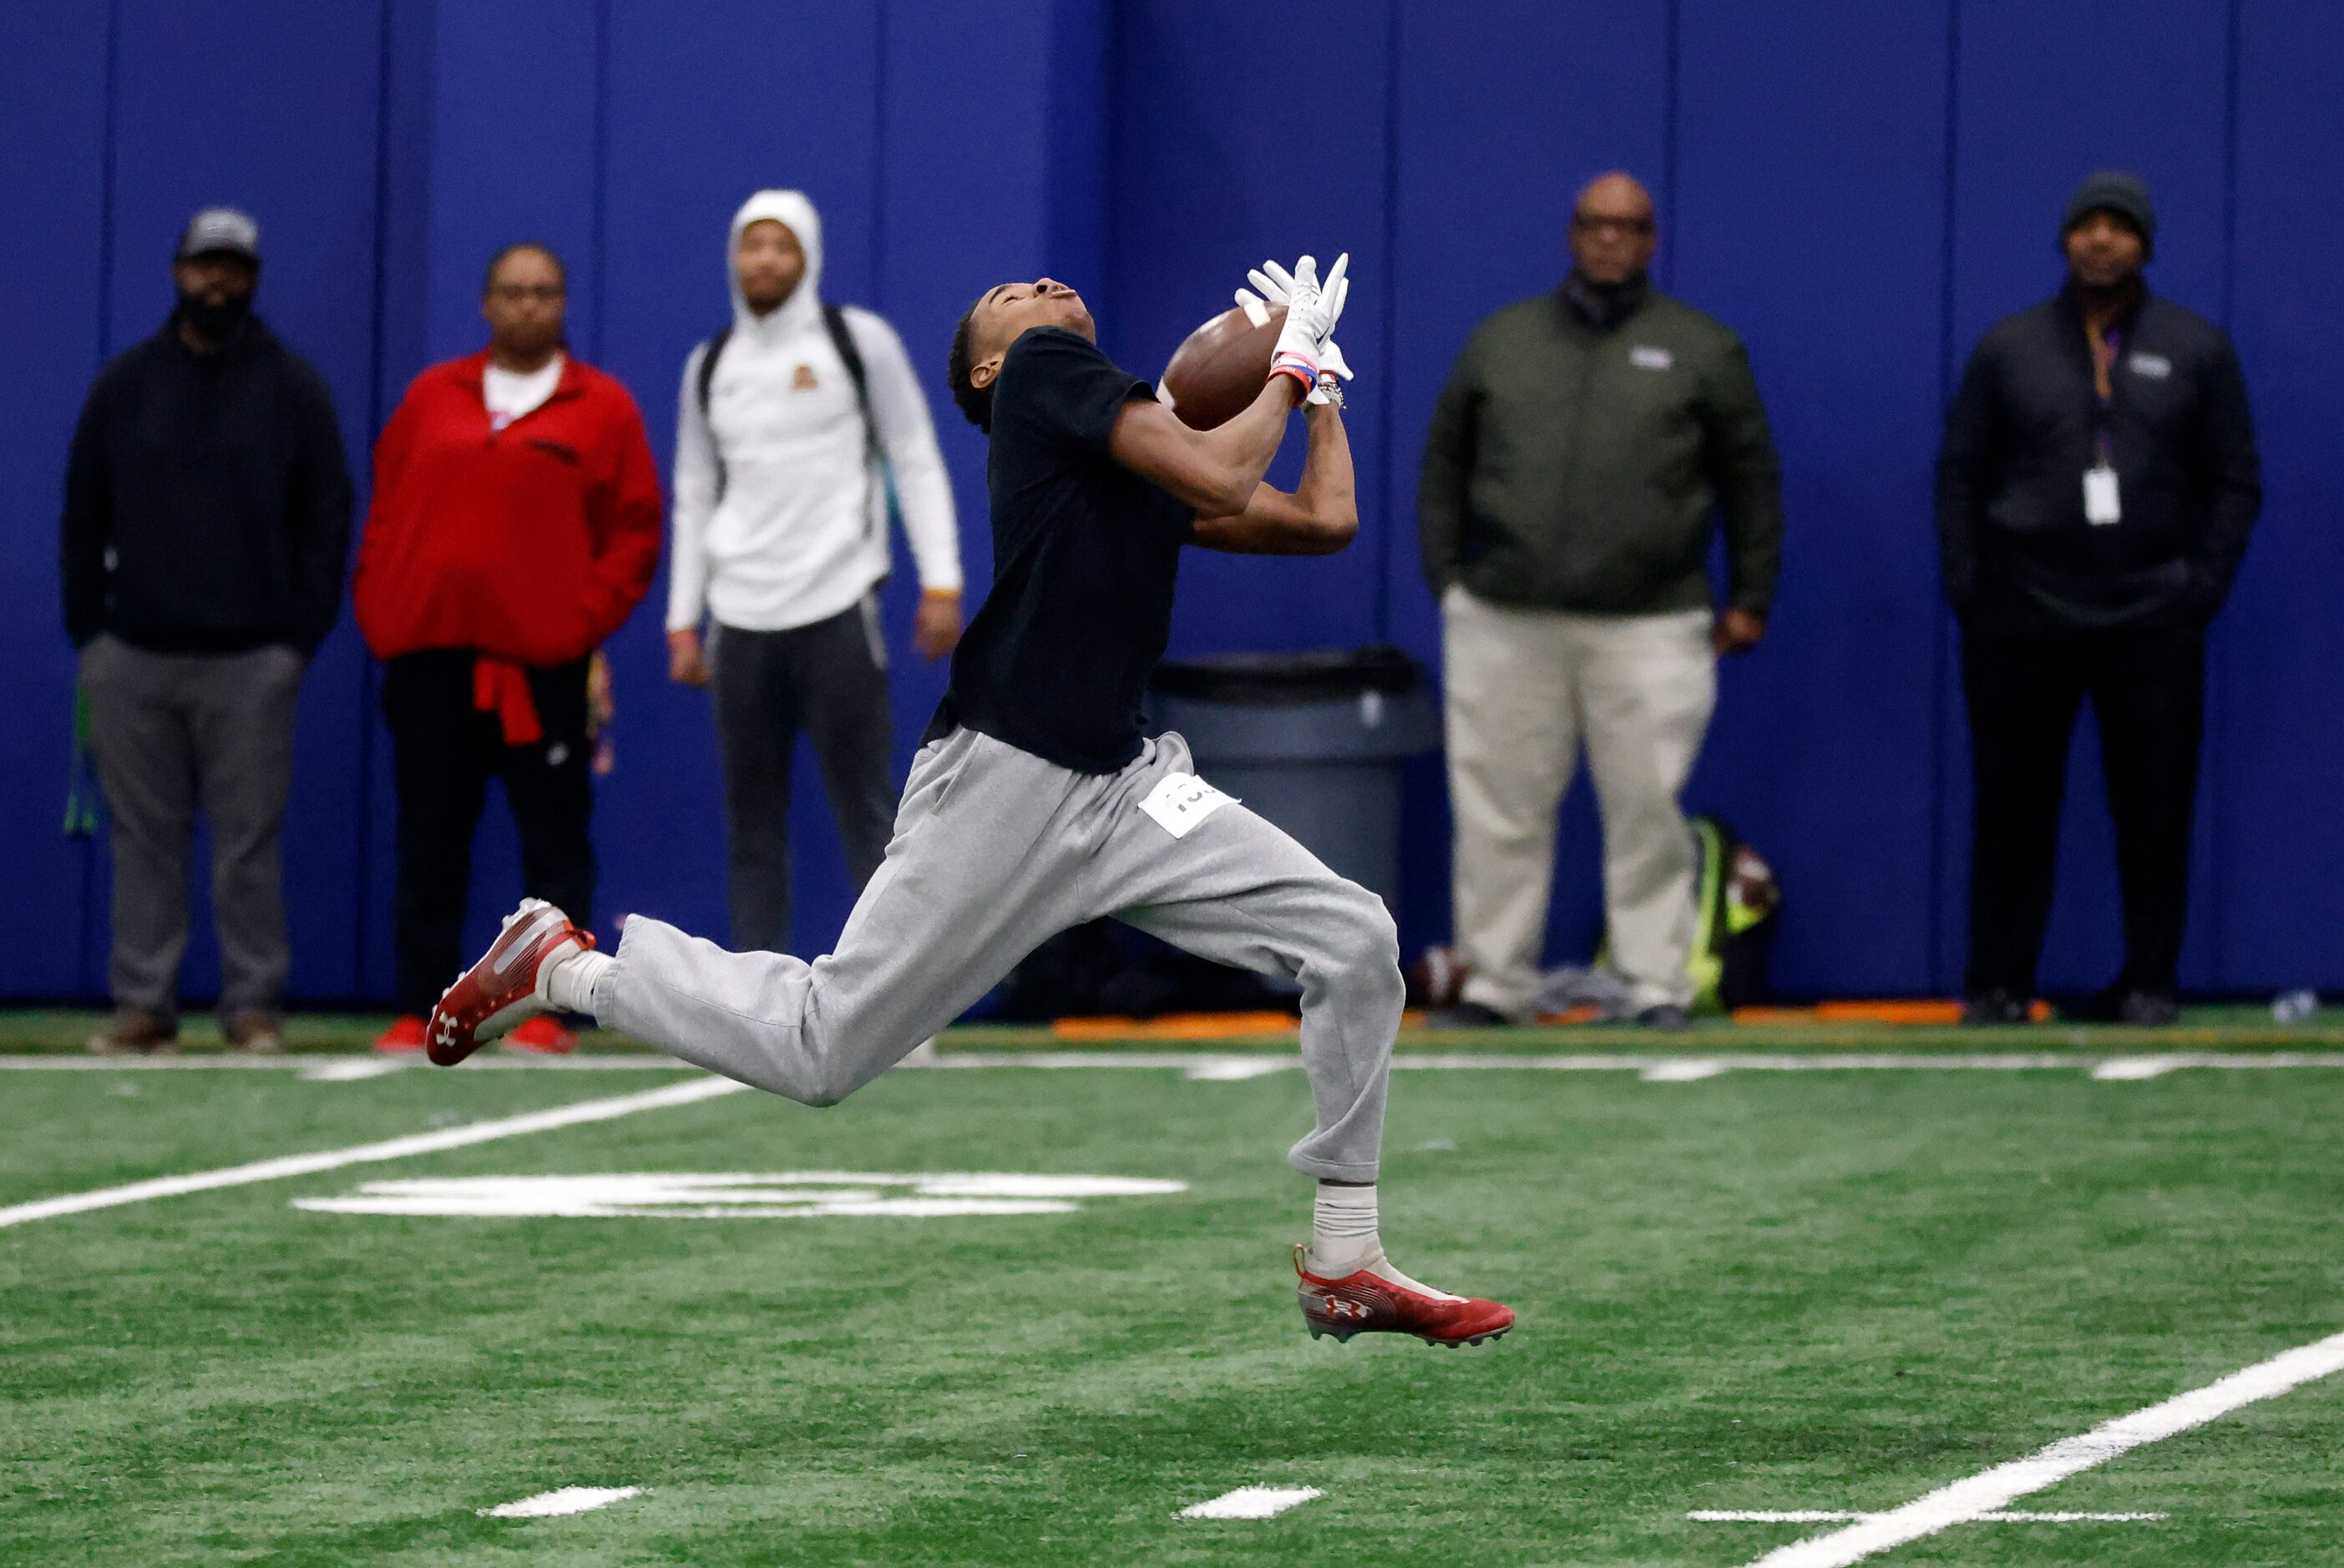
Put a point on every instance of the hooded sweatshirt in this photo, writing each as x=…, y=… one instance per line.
x=799, y=534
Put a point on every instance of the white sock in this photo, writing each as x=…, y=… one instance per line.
x=1342, y=1230
x=568, y=985
x=1343, y=1239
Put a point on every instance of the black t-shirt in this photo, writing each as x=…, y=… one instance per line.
x=1085, y=552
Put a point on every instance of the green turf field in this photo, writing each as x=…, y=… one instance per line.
x=1763, y=1291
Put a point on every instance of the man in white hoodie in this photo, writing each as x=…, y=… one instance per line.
x=795, y=420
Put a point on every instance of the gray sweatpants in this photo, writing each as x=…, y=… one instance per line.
x=173, y=734
x=995, y=851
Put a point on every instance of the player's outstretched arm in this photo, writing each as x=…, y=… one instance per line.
x=1217, y=471
x=1319, y=518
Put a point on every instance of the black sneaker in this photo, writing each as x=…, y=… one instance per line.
x=1667, y=1017
x=2148, y=1009
x=1995, y=1010
x=1468, y=1015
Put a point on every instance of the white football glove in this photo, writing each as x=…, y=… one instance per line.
x=1312, y=310
x=1278, y=287
x=1331, y=363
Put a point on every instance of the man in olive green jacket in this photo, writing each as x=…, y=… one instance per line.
x=1581, y=447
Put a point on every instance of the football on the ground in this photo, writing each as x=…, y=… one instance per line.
x=1218, y=373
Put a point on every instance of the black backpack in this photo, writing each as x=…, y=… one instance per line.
x=833, y=321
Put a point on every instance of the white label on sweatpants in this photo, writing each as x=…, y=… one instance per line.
x=1180, y=801
x=2101, y=505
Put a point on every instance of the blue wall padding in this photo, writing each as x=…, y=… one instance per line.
x=1810, y=158
x=1858, y=189
x=2276, y=765
x=52, y=72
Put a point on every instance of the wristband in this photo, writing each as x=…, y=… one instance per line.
x=1290, y=363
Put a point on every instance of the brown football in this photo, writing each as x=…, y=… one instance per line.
x=1218, y=373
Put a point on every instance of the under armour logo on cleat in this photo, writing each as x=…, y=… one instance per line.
x=1338, y=1307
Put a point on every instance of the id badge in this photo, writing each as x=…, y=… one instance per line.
x=1180, y=801
x=2101, y=505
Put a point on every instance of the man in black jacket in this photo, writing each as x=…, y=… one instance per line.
x=206, y=515
x=2095, y=493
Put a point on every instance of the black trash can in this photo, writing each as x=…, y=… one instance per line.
x=1313, y=742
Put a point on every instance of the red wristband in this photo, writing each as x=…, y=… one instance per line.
x=1292, y=364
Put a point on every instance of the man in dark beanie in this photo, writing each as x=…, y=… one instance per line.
x=2094, y=492
x=208, y=511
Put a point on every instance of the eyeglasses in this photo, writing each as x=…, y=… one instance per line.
x=550, y=293
x=1584, y=224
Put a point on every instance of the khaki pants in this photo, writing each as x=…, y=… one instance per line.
x=1525, y=689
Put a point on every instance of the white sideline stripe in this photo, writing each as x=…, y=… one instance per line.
x=554, y=1504
x=370, y=1153
x=1990, y=1490
x=1252, y=1502
x=1211, y=1064
x=1838, y=1515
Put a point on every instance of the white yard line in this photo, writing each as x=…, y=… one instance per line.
x=554, y=1504
x=1990, y=1491
x=1682, y=1070
x=1252, y=1502
x=350, y=1069
x=277, y=1170
x=1841, y=1515
x=2126, y=1068
x=1230, y=1069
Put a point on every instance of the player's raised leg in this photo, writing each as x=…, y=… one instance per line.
x=1235, y=889
x=986, y=864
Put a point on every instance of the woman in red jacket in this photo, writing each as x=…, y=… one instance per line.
x=516, y=524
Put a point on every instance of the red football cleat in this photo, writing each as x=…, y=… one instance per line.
x=498, y=992
x=1367, y=1303
x=544, y=1035
x=405, y=1034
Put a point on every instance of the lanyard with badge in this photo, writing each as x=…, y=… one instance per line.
x=2103, y=505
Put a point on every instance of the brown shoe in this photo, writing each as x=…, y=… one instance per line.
x=134, y=1031
x=253, y=1031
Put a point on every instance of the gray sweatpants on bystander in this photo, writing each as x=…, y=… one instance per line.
x=172, y=734
x=995, y=851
